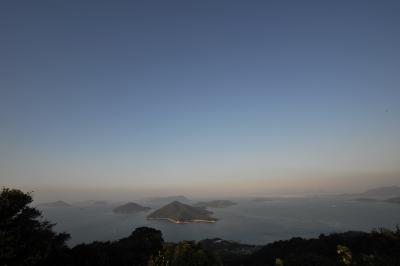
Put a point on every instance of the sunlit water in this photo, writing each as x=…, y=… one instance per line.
x=248, y=222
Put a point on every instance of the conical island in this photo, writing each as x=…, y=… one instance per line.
x=177, y=212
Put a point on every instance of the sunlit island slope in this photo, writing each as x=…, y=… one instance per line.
x=177, y=212
x=130, y=208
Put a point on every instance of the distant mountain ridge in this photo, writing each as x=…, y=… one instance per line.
x=393, y=200
x=55, y=204
x=177, y=212
x=129, y=208
x=389, y=191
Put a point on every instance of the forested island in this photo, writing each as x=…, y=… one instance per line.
x=177, y=212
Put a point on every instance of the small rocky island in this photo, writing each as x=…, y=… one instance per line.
x=177, y=212
x=130, y=208
x=215, y=204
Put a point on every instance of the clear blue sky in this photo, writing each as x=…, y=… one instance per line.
x=198, y=93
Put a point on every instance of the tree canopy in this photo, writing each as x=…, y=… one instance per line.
x=25, y=238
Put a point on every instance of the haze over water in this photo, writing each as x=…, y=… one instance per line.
x=248, y=222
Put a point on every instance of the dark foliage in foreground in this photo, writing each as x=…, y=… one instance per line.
x=26, y=239
x=182, y=254
x=380, y=247
x=133, y=250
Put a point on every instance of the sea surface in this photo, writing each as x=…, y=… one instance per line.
x=247, y=222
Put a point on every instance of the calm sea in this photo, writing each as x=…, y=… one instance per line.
x=248, y=222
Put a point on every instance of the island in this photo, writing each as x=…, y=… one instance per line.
x=394, y=200
x=180, y=213
x=130, y=208
x=389, y=191
x=215, y=204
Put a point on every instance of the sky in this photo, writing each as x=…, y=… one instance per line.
x=199, y=97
